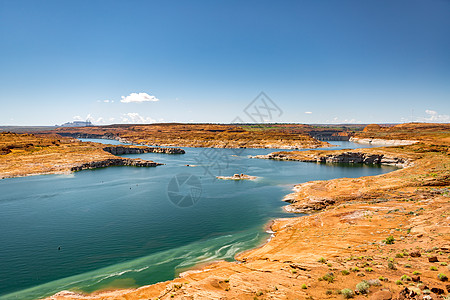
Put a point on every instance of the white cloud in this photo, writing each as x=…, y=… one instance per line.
x=434, y=116
x=138, y=98
x=135, y=118
x=308, y=112
x=108, y=101
x=337, y=120
x=91, y=118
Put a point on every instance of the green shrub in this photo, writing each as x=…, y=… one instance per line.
x=329, y=292
x=347, y=293
x=369, y=270
x=392, y=266
x=407, y=266
x=399, y=255
x=345, y=272
x=416, y=273
x=433, y=268
x=355, y=269
x=443, y=263
x=405, y=278
x=399, y=282
x=442, y=277
x=304, y=286
x=328, y=277
x=389, y=240
x=322, y=260
x=363, y=287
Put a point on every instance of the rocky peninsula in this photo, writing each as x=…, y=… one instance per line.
x=30, y=154
x=361, y=156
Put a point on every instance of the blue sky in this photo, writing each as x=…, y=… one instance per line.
x=205, y=61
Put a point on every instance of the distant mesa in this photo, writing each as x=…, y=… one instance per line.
x=86, y=123
x=372, y=127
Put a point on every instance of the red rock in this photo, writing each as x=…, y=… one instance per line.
x=433, y=259
x=381, y=295
x=406, y=294
x=415, y=254
x=438, y=291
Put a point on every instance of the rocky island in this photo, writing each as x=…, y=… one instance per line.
x=237, y=177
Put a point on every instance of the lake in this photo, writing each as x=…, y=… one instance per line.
x=122, y=227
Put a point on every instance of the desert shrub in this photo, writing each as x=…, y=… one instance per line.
x=304, y=286
x=407, y=266
x=392, y=266
x=442, y=277
x=322, y=260
x=347, y=293
x=399, y=255
x=443, y=263
x=355, y=269
x=363, y=287
x=328, y=277
x=416, y=273
x=374, y=282
x=399, y=282
x=369, y=270
x=329, y=292
x=389, y=240
x=433, y=268
x=405, y=278
x=345, y=272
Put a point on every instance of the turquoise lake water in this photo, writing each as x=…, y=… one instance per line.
x=124, y=227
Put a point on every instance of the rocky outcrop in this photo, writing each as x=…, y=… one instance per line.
x=382, y=142
x=346, y=157
x=119, y=150
x=115, y=162
x=237, y=177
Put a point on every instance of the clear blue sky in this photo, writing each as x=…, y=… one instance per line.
x=319, y=61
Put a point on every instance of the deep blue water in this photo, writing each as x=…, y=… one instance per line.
x=121, y=226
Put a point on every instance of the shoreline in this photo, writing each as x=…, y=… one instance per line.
x=69, y=157
x=295, y=250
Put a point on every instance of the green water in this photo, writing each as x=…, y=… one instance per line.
x=117, y=227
